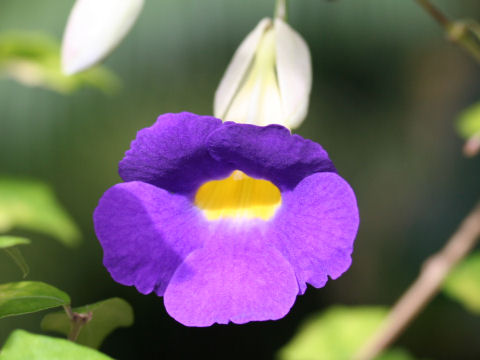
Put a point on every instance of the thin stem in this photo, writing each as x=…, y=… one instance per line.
x=68, y=310
x=281, y=9
x=466, y=35
x=459, y=32
x=425, y=287
x=77, y=322
x=434, y=12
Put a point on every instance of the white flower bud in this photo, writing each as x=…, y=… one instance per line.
x=94, y=29
x=269, y=78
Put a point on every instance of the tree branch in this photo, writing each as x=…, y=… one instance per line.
x=434, y=12
x=425, y=287
x=463, y=33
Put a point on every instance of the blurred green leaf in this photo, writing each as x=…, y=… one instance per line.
x=337, y=334
x=33, y=59
x=468, y=124
x=8, y=243
x=29, y=296
x=107, y=315
x=395, y=354
x=32, y=205
x=22, y=345
x=463, y=283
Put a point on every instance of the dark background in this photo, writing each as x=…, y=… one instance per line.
x=387, y=88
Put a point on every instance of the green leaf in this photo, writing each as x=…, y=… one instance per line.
x=463, y=283
x=33, y=59
x=468, y=123
x=337, y=334
x=395, y=354
x=107, y=315
x=9, y=241
x=22, y=345
x=29, y=296
x=31, y=205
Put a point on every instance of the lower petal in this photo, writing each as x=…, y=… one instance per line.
x=231, y=281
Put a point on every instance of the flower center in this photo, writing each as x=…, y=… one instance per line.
x=238, y=196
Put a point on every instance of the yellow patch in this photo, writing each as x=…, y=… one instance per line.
x=238, y=196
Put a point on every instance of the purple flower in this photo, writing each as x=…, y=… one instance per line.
x=226, y=221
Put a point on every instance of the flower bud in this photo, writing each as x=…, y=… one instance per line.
x=468, y=126
x=94, y=29
x=269, y=78
x=472, y=146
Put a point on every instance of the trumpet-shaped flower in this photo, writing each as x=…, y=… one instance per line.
x=94, y=29
x=269, y=78
x=228, y=222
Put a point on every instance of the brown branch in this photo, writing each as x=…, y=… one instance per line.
x=464, y=34
x=434, y=12
x=425, y=287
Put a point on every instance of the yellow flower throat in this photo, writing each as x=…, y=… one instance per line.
x=238, y=196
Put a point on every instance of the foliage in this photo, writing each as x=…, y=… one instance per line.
x=468, y=123
x=10, y=241
x=22, y=345
x=29, y=296
x=463, y=283
x=31, y=205
x=337, y=334
x=107, y=315
x=33, y=59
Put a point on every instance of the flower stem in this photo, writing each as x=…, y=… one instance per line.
x=461, y=33
x=425, y=287
x=77, y=322
x=281, y=9
x=434, y=12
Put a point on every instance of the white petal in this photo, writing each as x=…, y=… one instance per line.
x=294, y=71
x=258, y=99
x=94, y=28
x=237, y=69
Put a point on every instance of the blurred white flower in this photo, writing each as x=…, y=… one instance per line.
x=269, y=78
x=94, y=28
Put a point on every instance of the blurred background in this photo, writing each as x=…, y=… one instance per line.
x=386, y=92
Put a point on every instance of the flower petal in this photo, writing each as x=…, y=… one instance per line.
x=270, y=152
x=294, y=71
x=237, y=69
x=172, y=154
x=235, y=279
x=145, y=233
x=316, y=227
x=94, y=28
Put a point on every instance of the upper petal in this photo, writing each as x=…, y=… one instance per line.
x=94, y=28
x=237, y=278
x=145, y=233
x=172, y=153
x=316, y=227
x=270, y=152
